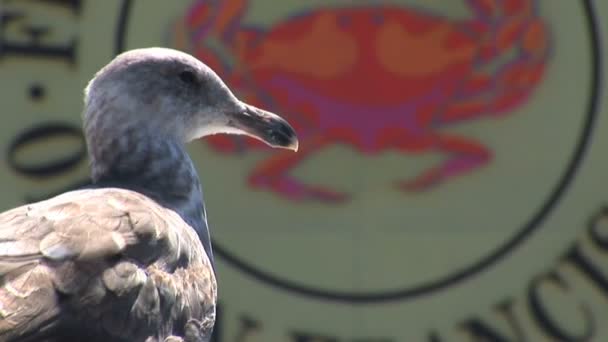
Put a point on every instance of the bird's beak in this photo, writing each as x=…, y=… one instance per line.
x=265, y=126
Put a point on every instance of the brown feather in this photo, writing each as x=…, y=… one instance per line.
x=110, y=259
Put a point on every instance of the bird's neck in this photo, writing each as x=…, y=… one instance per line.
x=156, y=166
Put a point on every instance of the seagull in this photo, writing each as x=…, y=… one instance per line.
x=129, y=258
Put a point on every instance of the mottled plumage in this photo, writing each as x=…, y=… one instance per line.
x=129, y=258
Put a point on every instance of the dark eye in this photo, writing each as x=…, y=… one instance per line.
x=187, y=77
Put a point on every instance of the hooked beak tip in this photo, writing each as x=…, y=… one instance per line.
x=293, y=146
x=283, y=136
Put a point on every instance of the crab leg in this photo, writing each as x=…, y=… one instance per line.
x=464, y=155
x=273, y=174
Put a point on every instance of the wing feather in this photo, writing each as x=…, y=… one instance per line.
x=112, y=260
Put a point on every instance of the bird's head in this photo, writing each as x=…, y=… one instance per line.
x=176, y=95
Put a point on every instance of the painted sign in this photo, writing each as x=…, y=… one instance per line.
x=450, y=181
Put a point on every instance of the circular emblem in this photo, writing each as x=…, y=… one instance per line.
x=447, y=109
x=448, y=151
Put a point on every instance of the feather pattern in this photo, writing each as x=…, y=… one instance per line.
x=110, y=263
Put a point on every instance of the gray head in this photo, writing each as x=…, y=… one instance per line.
x=176, y=96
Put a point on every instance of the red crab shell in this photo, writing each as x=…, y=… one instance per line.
x=374, y=78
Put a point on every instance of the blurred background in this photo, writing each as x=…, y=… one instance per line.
x=450, y=183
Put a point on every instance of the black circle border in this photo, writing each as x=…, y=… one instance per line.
x=426, y=289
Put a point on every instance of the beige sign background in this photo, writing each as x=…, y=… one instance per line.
x=515, y=249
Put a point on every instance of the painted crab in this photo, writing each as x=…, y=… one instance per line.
x=374, y=78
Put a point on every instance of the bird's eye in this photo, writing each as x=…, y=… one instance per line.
x=187, y=77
